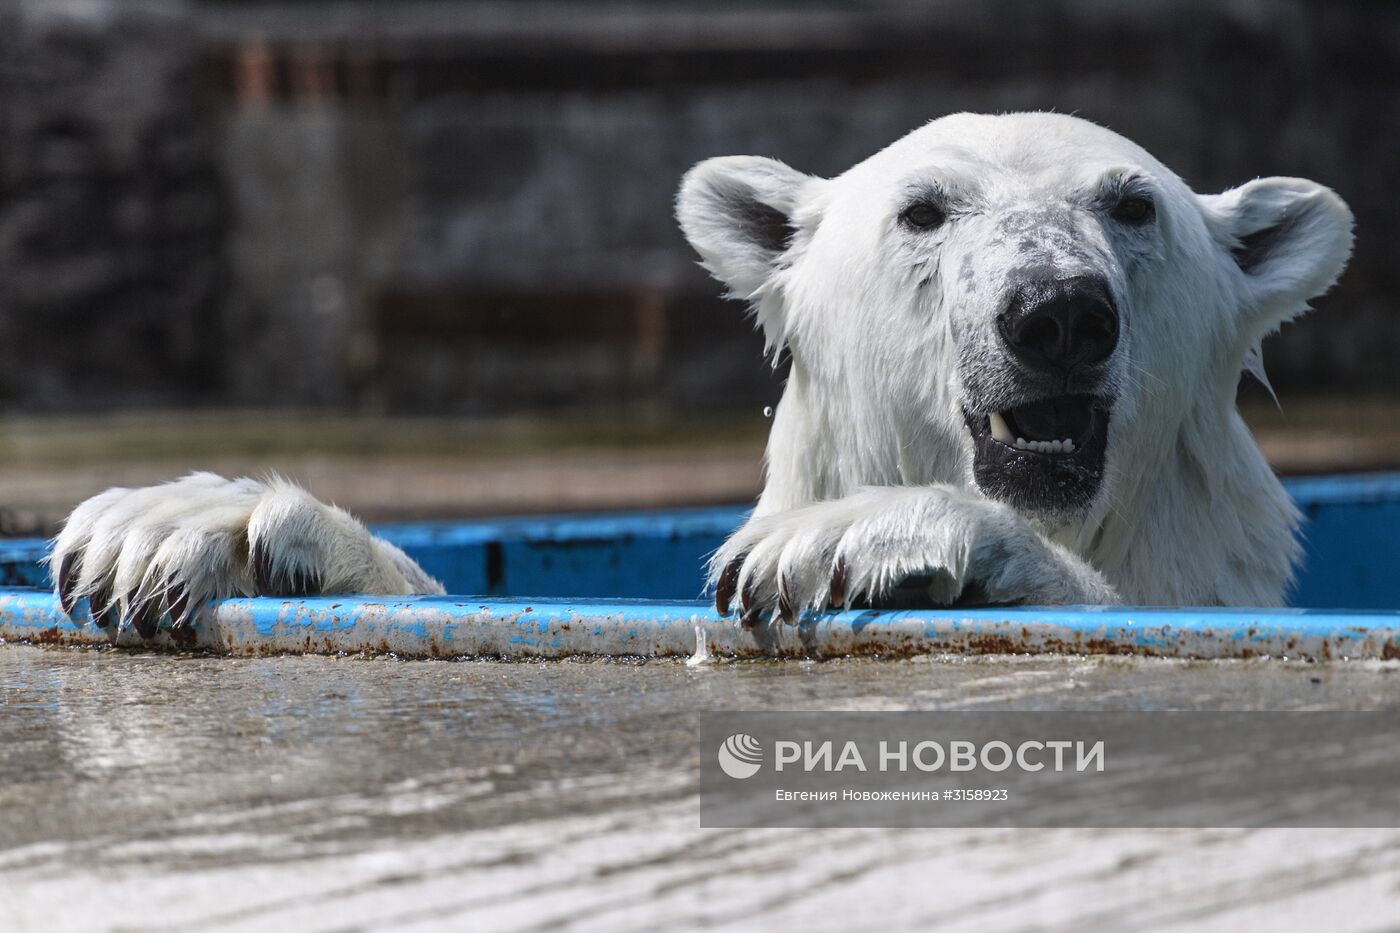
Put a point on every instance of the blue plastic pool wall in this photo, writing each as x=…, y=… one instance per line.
x=1351, y=540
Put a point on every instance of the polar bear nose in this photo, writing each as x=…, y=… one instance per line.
x=1060, y=324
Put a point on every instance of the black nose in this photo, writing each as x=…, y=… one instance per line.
x=1060, y=324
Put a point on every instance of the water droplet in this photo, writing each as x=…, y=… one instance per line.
x=767, y=411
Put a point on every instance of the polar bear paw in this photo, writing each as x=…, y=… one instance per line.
x=892, y=546
x=138, y=556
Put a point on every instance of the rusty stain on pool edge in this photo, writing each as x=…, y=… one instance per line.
x=434, y=628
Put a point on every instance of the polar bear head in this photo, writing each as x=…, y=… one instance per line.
x=1027, y=302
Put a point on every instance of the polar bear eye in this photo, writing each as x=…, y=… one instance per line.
x=923, y=215
x=1134, y=210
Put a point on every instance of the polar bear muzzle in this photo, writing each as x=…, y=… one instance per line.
x=1040, y=445
x=1060, y=328
x=1043, y=457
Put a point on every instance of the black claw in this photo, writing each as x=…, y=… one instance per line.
x=728, y=583
x=142, y=615
x=785, y=605
x=838, y=583
x=751, y=616
x=262, y=570
x=65, y=584
x=294, y=582
x=103, y=614
x=177, y=600
x=973, y=594
x=746, y=597
x=145, y=625
x=305, y=582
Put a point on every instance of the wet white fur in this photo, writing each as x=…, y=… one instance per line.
x=869, y=457
x=129, y=546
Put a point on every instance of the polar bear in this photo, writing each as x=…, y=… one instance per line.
x=1015, y=343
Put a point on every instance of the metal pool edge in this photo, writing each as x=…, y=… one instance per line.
x=450, y=627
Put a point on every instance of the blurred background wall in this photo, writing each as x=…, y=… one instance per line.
x=420, y=255
x=465, y=207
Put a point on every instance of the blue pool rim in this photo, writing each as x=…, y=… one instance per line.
x=452, y=627
x=622, y=585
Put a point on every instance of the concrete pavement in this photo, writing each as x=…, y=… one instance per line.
x=147, y=791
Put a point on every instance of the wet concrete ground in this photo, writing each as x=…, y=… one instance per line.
x=312, y=793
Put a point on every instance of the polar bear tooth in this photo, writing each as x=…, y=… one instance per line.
x=1069, y=446
x=1000, y=429
x=1021, y=443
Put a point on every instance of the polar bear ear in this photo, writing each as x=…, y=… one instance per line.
x=1289, y=236
x=737, y=211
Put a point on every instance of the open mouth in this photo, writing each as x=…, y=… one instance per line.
x=1043, y=456
x=1055, y=426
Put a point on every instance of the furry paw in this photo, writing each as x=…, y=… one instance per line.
x=140, y=555
x=931, y=544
